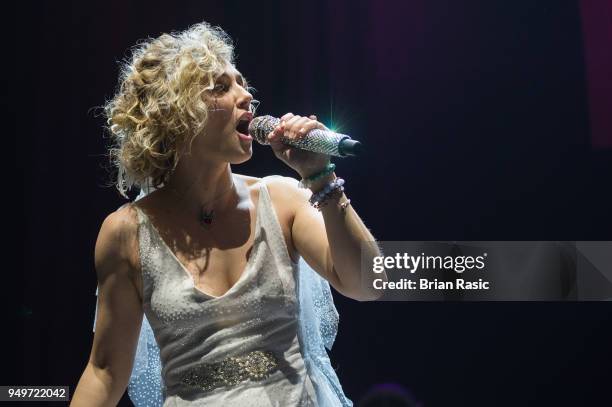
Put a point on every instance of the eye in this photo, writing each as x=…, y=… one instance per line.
x=220, y=87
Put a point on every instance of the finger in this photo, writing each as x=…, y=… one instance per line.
x=289, y=125
x=289, y=122
x=286, y=116
x=307, y=126
x=321, y=126
x=276, y=133
x=297, y=127
x=310, y=125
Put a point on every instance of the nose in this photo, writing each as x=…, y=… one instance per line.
x=244, y=99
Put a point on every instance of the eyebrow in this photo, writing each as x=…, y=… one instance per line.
x=239, y=77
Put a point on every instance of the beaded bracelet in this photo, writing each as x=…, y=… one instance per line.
x=336, y=193
x=344, y=205
x=307, y=182
x=320, y=198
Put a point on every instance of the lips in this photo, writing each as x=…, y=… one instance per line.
x=244, y=137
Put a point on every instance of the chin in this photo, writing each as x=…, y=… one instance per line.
x=244, y=157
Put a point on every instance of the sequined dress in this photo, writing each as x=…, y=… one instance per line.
x=255, y=345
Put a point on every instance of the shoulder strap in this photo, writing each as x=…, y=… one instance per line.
x=271, y=222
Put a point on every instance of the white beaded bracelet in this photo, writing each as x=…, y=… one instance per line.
x=318, y=199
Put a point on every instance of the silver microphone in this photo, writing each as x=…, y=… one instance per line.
x=316, y=140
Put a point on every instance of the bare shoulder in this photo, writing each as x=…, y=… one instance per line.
x=286, y=198
x=277, y=184
x=286, y=192
x=250, y=182
x=117, y=239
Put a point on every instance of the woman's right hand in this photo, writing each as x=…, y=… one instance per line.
x=119, y=317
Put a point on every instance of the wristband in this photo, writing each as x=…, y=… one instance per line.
x=307, y=182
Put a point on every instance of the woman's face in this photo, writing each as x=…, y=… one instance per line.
x=229, y=111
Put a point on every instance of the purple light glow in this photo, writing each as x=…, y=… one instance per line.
x=597, y=31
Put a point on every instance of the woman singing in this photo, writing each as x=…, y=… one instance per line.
x=212, y=258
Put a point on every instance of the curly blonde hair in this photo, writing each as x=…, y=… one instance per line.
x=158, y=108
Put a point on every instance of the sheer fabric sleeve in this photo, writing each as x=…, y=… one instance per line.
x=318, y=326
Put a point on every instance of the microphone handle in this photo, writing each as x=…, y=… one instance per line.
x=321, y=141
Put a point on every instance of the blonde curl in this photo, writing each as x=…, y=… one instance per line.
x=159, y=106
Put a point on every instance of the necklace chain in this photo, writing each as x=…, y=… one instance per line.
x=205, y=217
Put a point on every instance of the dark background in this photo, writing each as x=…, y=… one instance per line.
x=476, y=119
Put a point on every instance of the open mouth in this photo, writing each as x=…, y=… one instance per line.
x=243, y=127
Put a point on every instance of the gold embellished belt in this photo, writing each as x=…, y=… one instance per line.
x=256, y=365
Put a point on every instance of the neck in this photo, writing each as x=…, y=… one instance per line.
x=194, y=186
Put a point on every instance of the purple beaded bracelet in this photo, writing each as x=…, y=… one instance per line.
x=320, y=198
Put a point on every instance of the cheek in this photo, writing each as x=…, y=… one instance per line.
x=220, y=118
x=217, y=121
x=219, y=104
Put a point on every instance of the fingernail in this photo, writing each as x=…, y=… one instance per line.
x=302, y=130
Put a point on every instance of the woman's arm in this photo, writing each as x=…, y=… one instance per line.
x=119, y=318
x=331, y=240
x=336, y=241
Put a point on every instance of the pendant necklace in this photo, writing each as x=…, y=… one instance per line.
x=207, y=217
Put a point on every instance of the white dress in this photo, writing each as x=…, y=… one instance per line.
x=255, y=345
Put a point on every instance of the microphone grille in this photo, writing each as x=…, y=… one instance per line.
x=261, y=126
